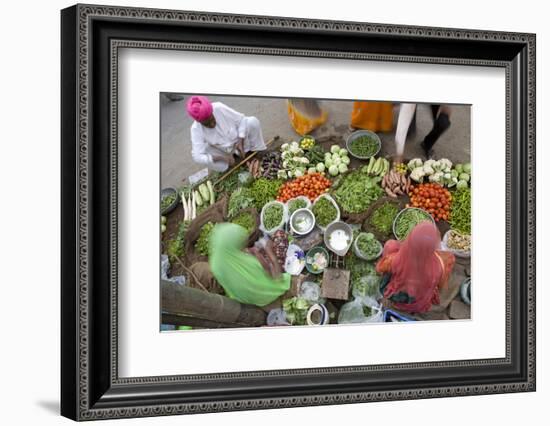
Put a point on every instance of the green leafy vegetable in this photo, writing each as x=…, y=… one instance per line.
x=202, y=244
x=296, y=204
x=240, y=199
x=167, y=200
x=176, y=246
x=357, y=191
x=382, y=218
x=325, y=212
x=296, y=310
x=246, y=220
x=368, y=245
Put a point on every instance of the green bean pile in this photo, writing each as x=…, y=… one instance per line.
x=408, y=220
x=273, y=216
x=363, y=146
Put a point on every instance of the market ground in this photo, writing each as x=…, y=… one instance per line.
x=177, y=165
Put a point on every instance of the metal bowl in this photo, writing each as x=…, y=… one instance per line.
x=166, y=192
x=310, y=254
x=302, y=221
x=359, y=133
x=338, y=226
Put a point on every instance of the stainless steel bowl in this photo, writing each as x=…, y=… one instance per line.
x=302, y=221
x=338, y=226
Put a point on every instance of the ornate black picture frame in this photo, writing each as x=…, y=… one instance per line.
x=91, y=36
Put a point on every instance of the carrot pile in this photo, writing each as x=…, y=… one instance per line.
x=311, y=185
x=433, y=198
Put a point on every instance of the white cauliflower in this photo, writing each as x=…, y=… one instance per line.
x=418, y=174
x=428, y=170
x=446, y=164
x=436, y=177
x=284, y=147
x=414, y=163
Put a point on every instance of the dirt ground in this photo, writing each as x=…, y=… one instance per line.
x=177, y=164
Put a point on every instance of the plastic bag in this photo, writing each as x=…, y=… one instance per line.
x=295, y=260
x=459, y=253
x=165, y=269
x=367, y=285
x=311, y=291
x=360, y=310
x=281, y=224
x=276, y=317
x=245, y=178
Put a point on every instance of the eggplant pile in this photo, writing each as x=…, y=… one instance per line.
x=271, y=163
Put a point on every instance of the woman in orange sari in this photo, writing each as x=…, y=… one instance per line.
x=374, y=116
x=415, y=269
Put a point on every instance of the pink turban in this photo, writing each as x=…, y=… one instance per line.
x=199, y=108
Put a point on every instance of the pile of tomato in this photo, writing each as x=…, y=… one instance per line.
x=311, y=185
x=433, y=198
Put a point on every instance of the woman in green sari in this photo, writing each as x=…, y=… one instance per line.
x=241, y=274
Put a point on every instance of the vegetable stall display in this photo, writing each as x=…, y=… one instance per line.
x=262, y=195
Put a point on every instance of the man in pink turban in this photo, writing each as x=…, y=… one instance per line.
x=219, y=132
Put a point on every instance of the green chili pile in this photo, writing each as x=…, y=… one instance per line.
x=460, y=219
x=264, y=190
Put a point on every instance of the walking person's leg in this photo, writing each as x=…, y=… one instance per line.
x=441, y=115
x=406, y=114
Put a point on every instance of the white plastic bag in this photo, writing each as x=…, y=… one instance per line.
x=165, y=270
x=459, y=253
x=281, y=225
x=353, y=313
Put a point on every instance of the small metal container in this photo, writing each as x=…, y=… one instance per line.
x=302, y=221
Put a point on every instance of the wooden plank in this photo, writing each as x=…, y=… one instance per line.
x=184, y=301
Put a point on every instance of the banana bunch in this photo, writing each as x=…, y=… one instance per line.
x=376, y=167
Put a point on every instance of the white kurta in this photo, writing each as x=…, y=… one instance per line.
x=231, y=126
